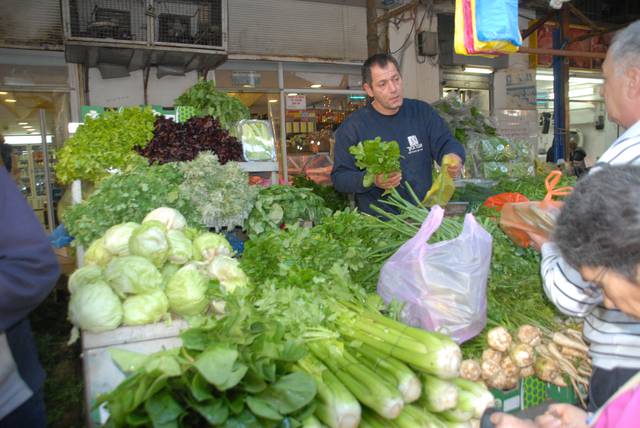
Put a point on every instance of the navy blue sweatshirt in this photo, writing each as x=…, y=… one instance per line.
x=422, y=135
x=28, y=272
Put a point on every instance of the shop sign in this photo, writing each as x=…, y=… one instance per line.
x=521, y=89
x=245, y=78
x=296, y=102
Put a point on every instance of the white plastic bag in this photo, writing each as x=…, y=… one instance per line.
x=443, y=286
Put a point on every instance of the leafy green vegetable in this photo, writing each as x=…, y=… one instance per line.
x=186, y=291
x=150, y=241
x=95, y=308
x=128, y=197
x=85, y=275
x=116, y=238
x=376, y=157
x=257, y=140
x=145, y=308
x=97, y=254
x=333, y=199
x=221, y=193
x=132, y=275
x=103, y=143
x=209, y=101
x=232, y=372
x=276, y=206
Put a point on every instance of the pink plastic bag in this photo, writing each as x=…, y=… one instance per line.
x=443, y=286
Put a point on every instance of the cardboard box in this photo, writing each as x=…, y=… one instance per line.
x=66, y=260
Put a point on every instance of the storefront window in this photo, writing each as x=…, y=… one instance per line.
x=316, y=80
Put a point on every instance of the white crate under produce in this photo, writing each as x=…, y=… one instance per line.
x=101, y=374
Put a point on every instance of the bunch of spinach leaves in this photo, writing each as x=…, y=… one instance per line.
x=333, y=199
x=277, y=206
x=236, y=372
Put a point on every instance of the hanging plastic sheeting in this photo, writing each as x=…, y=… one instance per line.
x=498, y=21
x=466, y=41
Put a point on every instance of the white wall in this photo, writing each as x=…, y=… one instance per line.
x=128, y=91
x=421, y=81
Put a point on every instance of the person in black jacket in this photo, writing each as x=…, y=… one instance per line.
x=28, y=272
x=421, y=133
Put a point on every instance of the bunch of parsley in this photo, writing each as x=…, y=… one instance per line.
x=376, y=157
x=129, y=196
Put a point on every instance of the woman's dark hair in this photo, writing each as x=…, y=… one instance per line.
x=599, y=225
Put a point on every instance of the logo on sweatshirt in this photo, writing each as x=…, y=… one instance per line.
x=414, y=146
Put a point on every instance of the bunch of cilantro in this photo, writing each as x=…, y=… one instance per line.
x=129, y=196
x=105, y=143
x=376, y=157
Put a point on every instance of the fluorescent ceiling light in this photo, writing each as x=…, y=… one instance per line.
x=273, y=101
x=26, y=139
x=595, y=80
x=316, y=86
x=23, y=123
x=292, y=94
x=9, y=100
x=4, y=93
x=26, y=126
x=580, y=92
x=477, y=70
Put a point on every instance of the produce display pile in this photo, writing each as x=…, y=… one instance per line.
x=174, y=142
x=555, y=357
x=105, y=143
x=489, y=155
x=292, y=333
x=206, y=192
x=136, y=273
x=115, y=140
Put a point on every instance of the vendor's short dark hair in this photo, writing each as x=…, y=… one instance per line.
x=379, y=59
x=599, y=225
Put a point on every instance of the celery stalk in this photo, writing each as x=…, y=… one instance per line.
x=414, y=417
x=438, y=394
x=430, y=352
x=405, y=379
x=361, y=381
x=335, y=405
x=474, y=397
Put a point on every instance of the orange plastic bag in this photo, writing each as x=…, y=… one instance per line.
x=520, y=220
x=498, y=201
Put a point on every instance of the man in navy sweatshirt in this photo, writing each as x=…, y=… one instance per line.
x=421, y=133
x=28, y=271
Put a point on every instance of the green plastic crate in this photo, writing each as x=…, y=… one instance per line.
x=184, y=113
x=508, y=401
x=532, y=392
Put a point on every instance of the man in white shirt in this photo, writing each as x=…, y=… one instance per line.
x=614, y=337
